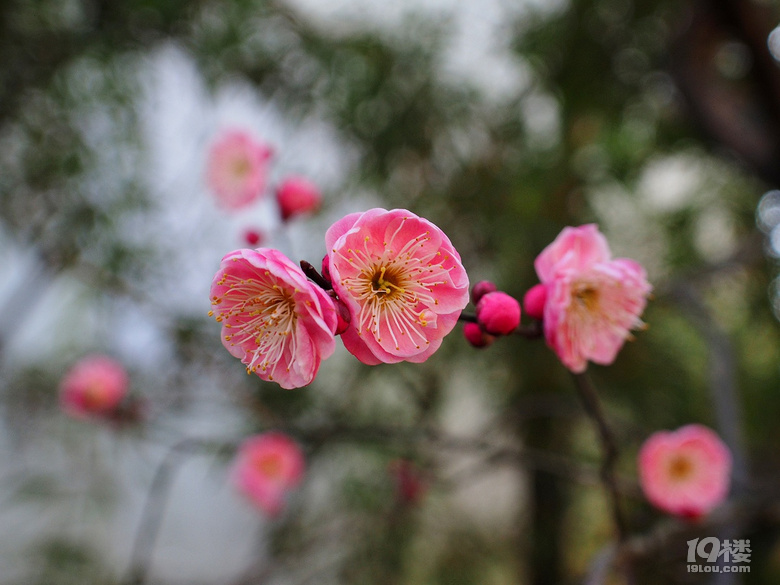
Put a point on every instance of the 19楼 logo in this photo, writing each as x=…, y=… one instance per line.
x=731, y=552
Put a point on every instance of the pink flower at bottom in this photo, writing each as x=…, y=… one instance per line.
x=402, y=281
x=94, y=387
x=237, y=169
x=267, y=468
x=276, y=321
x=592, y=301
x=685, y=472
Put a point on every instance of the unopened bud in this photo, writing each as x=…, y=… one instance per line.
x=296, y=196
x=326, y=268
x=498, y=313
x=475, y=336
x=533, y=301
x=481, y=289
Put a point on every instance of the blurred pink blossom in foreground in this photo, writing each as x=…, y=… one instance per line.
x=266, y=468
x=297, y=196
x=685, y=472
x=592, y=301
x=94, y=387
x=278, y=323
x=402, y=281
x=237, y=169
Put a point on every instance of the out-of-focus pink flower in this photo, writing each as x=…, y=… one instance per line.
x=592, y=300
x=297, y=196
x=402, y=281
x=237, y=169
x=480, y=289
x=278, y=323
x=94, y=387
x=533, y=301
x=267, y=468
x=498, y=313
x=253, y=236
x=476, y=336
x=409, y=483
x=685, y=472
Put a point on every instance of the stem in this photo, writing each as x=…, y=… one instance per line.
x=315, y=276
x=592, y=404
x=152, y=515
x=532, y=331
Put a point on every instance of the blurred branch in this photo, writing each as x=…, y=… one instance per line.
x=744, y=512
x=532, y=331
x=722, y=375
x=154, y=508
x=592, y=405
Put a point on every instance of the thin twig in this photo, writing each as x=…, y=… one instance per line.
x=532, y=331
x=154, y=508
x=592, y=405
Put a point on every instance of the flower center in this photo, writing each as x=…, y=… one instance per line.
x=241, y=167
x=587, y=296
x=263, y=317
x=270, y=466
x=386, y=283
x=680, y=468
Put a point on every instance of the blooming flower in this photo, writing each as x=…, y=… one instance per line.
x=593, y=301
x=402, y=281
x=266, y=468
x=685, y=472
x=274, y=319
x=237, y=169
x=93, y=387
x=297, y=196
x=498, y=313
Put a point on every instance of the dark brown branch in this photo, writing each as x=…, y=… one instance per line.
x=532, y=331
x=592, y=404
x=315, y=276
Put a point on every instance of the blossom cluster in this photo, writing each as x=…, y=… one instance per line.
x=587, y=301
x=393, y=286
x=397, y=288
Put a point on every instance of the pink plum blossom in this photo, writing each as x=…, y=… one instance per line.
x=533, y=301
x=498, y=313
x=267, y=467
x=593, y=301
x=278, y=323
x=237, y=169
x=685, y=472
x=402, y=281
x=94, y=387
x=297, y=196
